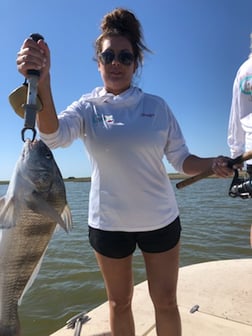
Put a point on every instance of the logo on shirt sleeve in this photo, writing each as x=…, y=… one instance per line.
x=246, y=85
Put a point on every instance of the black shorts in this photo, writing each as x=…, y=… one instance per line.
x=120, y=244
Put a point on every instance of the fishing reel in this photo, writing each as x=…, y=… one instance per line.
x=241, y=186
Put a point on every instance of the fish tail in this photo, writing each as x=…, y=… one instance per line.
x=10, y=330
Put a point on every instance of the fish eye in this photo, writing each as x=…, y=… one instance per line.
x=48, y=156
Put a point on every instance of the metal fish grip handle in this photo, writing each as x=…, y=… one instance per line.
x=31, y=101
x=76, y=323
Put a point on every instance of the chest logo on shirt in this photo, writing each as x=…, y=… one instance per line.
x=106, y=120
x=109, y=119
x=246, y=85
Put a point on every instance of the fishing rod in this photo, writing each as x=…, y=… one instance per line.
x=190, y=180
x=31, y=108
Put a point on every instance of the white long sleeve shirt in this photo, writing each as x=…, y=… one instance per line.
x=240, y=120
x=126, y=137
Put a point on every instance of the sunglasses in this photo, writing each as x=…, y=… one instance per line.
x=124, y=57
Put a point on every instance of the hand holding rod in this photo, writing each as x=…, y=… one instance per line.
x=31, y=106
x=240, y=159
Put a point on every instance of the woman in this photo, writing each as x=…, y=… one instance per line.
x=126, y=132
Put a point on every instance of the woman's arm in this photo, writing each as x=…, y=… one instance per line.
x=47, y=119
x=194, y=165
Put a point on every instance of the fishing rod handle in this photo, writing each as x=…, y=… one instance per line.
x=190, y=180
x=36, y=37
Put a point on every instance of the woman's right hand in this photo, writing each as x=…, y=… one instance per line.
x=34, y=55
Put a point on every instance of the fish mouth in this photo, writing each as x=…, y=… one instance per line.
x=29, y=145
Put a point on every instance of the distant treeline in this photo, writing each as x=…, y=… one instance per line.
x=172, y=176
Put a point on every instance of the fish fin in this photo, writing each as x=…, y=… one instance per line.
x=39, y=205
x=8, y=212
x=67, y=218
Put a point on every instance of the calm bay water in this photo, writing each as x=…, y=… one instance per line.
x=215, y=227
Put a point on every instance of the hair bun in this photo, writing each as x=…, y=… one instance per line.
x=122, y=22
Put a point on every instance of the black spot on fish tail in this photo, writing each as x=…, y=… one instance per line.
x=10, y=330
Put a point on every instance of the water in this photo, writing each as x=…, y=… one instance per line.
x=215, y=227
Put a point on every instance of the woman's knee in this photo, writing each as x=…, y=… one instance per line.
x=164, y=300
x=120, y=306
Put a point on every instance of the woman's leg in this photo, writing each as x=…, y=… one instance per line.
x=118, y=278
x=162, y=274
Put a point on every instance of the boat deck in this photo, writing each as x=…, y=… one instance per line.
x=222, y=291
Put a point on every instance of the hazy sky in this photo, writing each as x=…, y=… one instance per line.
x=197, y=47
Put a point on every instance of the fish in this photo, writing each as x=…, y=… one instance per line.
x=32, y=209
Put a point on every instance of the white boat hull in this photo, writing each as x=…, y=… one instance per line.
x=221, y=290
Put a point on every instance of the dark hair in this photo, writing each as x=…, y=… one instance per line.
x=121, y=22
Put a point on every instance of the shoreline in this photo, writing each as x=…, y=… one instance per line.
x=172, y=176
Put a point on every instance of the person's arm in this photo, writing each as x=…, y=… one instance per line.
x=194, y=165
x=47, y=119
x=36, y=55
x=236, y=134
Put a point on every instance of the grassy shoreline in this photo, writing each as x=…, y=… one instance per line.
x=172, y=176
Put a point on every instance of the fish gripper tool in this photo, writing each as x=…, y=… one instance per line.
x=76, y=322
x=31, y=102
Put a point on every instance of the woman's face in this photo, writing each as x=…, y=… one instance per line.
x=116, y=64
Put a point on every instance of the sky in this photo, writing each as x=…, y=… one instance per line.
x=197, y=47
